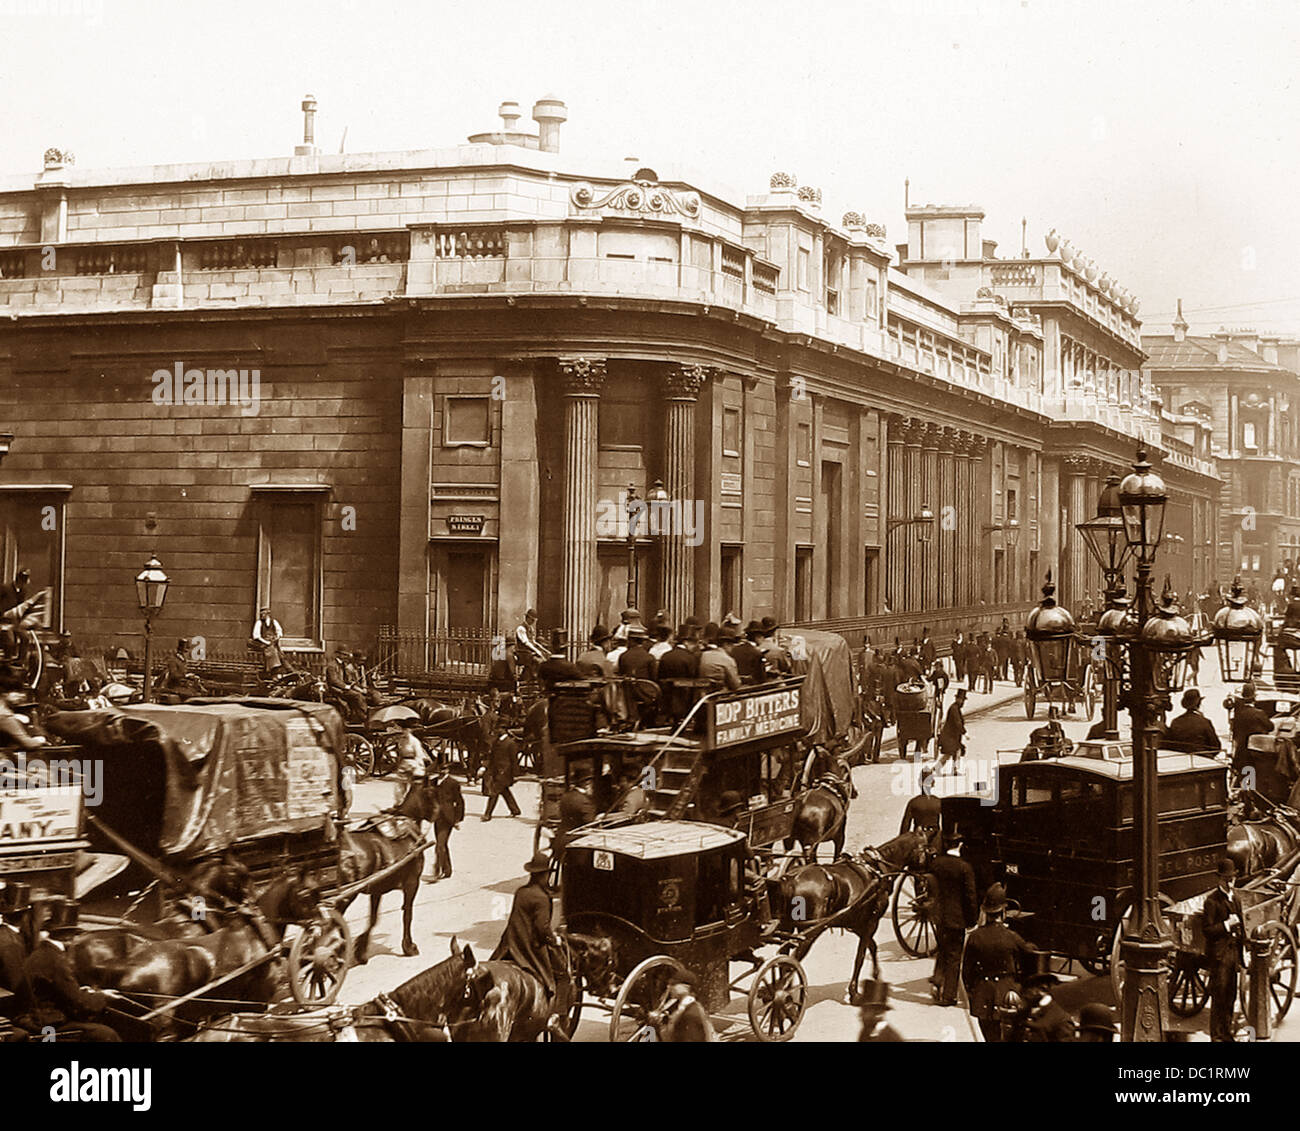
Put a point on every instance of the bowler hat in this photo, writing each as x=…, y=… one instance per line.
x=769, y=625
x=1227, y=868
x=599, y=634
x=539, y=863
x=1097, y=1018
x=531, y=614
x=730, y=802
x=637, y=632
x=1191, y=699
x=711, y=632
x=727, y=634
x=995, y=900
x=1248, y=691
x=753, y=629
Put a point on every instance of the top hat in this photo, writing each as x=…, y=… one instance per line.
x=873, y=995
x=951, y=837
x=711, y=632
x=1227, y=868
x=14, y=897
x=539, y=863
x=559, y=639
x=995, y=900
x=182, y=644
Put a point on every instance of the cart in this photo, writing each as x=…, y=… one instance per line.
x=917, y=714
x=645, y=906
x=1081, y=686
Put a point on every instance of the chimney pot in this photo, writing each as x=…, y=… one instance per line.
x=549, y=113
x=308, y=146
x=510, y=114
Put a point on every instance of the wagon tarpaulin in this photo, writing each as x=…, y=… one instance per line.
x=193, y=779
x=828, y=698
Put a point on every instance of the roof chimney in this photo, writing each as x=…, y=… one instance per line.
x=308, y=146
x=509, y=112
x=548, y=113
x=1180, y=327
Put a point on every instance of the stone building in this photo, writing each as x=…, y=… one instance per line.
x=1244, y=387
x=453, y=363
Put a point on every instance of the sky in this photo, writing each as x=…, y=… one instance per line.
x=1161, y=137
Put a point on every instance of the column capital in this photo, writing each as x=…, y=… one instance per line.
x=582, y=376
x=912, y=432
x=949, y=439
x=1077, y=465
x=932, y=436
x=684, y=382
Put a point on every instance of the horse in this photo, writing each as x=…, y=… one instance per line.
x=860, y=887
x=380, y=843
x=1256, y=846
x=823, y=809
x=416, y=1011
x=504, y=1002
x=173, y=967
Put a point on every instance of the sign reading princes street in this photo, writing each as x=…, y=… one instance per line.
x=758, y=714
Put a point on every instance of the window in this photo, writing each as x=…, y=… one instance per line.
x=1011, y=505
x=803, y=444
x=730, y=582
x=467, y=420
x=1248, y=434
x=871, y=581
x=731, y=431
x=873, y=300
x=31, y=537
x=289, y=569
x=803, y=571
x=804, y=265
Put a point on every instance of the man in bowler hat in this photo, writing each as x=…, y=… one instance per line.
x=1222, y=927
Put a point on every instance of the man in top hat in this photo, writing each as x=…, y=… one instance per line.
x=749, y=660
x=594, y=661
x=557, y=667
x=952, y=737
x=528, y=940
x=1247, y=720
x=1192, y=731
x=176, y=676
x=1221, y=925
x=776, y=659
x=996, y=959
x=716, y=664
x=1096, y=1024
x=873, y=1004
x=681, y=662
x=499, y=774
x=636, y=663
x=956, y=909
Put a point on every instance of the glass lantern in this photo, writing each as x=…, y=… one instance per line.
x=1167, y=638
x=1238, y=634
x=1051, y=634
x=1142, y=499
x=151, y=587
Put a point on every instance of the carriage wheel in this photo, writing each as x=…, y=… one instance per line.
x=642, y=999
x=1031, y=700
x=1116, y=942
x=31, y=658
x=362, y=754
x=1281, y=977
x=319, y=959
x=909, y=909
x=778, y=997
x=1189, y=986
x=1089, y=693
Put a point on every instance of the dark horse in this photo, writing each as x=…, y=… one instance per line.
x=823, y=809
x=416, y=1011
x=857, y=890
x=158, y=969
x=380, y=843
x=1256, y=846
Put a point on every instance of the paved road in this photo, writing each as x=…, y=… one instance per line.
x=488, y=857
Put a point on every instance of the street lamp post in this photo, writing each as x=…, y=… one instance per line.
x=638, y=517
x=1104, y=537
x=1156, y=657
x=151, y=591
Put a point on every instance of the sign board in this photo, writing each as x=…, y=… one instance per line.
x=731, y=484
x=465, y=523
x=39, y=816
x=758, y=714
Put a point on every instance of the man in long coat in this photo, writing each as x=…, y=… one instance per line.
x=956, y=908
x=1221, y=924
x=528, y=938
x=952, y=737
x=996, y=959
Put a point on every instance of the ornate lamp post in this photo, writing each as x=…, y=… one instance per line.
x=1110, y=549
x=1051, y=636
x=1157, y=656
x=638, y=520
x=151, y=591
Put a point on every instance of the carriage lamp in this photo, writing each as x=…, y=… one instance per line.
x=1142, y=499
x=151, y=591
x=1051, y=636
x=1167, y=638
x=1238, y=633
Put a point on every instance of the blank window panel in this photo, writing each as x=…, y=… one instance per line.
x=291, y=569
x=731, y=436
x=467, y=421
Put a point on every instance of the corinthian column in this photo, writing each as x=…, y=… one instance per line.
x=681, y=386
x=1076, y=564
x=945, y=514
x=910, y=544
x=930, y=497
x=582, y=378
x=897, y=487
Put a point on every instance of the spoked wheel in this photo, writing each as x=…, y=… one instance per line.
x=31, y=658
x=574, y=1015
x=642, y=1000
x=1189, y=986
x=1089, y=694
x=319, y=959
x=1117, y=939
x=1031, y=700
x=910, y=910
x=1281, y=961
x=777, y=998
x=362, y=754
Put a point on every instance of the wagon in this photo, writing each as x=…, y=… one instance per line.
x=1081, y=686
x=917, y=713
x=255, y=780
x=646, y=905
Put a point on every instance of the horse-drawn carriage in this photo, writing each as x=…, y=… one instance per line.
x=1081, y=686
x=245, y=795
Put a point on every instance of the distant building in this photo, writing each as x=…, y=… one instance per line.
x=463, y=357
x=1244, y=387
